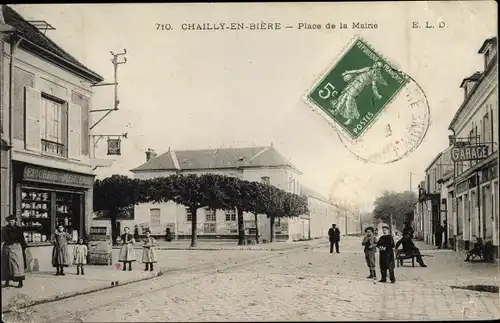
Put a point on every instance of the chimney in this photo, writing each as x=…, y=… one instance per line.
x=150, y=154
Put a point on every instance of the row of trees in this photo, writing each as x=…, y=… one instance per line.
x=117, y=194
x=396, y=205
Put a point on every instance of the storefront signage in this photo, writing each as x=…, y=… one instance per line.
x=38, y=174
x=114, y=146
x=100, y=248
x=469, y=153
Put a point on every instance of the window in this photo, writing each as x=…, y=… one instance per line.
x=266, y=180
x=230, y=215
x=155, y=217
x=210, y=215
x=189, y=216
x=209, y=228
x=486, y=129
x=51, y=124
x=486, y=58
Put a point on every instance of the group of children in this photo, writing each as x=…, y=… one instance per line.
x=386, y=245
x=61, y=255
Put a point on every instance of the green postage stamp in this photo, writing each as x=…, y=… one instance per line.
x=357, y=89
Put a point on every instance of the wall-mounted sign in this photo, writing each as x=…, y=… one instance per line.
x=469, y=153
x=38, y=174
x=114, y=146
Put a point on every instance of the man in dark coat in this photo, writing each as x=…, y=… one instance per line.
x=13, y=253
x=386, y=255
x=334, y=237
x=439, y=235
x=410, y=248
x=408, y=230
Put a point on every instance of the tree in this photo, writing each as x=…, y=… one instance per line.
x=398, y=204
x=114, y=196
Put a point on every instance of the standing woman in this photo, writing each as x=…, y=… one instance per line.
x=14, y=245
x=148, y=251
x=60, y=252
x=386, y=255
x=127, y=252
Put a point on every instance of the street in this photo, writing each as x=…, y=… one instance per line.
x=304, y=283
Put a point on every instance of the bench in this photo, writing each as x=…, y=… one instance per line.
x=484, y=254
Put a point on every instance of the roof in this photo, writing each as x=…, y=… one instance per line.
x=221, y=158
x=491, y=40
x=493, y=63
x=433, y=161
x=35, y=40
x=474, y=77
x=307, y=192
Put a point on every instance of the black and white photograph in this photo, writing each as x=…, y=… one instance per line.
x=249, y=161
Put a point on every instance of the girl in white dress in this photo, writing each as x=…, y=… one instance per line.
x=80, y=256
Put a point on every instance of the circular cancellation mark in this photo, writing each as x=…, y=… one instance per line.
x=399, y=130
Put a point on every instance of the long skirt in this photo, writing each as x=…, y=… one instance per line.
x=386, y=260
x=149, y=255
x=370, y=259
x=60, y=256
x=127, y=253
x=13, y=262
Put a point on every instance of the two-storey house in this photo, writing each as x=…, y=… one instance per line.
x=45, y=98
x=259, y=164
x=476, y=180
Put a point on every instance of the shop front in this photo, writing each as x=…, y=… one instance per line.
x=45, y=198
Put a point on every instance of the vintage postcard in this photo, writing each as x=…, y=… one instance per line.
x=249, y=161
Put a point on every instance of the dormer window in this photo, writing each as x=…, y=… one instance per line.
x=486, y=58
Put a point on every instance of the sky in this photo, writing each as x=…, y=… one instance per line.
x=235, y=88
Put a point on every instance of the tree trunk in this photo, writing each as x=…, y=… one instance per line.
x=272, y=228
x=194, y=226
x=114, y=234
x=256, y=228
x=241, y=228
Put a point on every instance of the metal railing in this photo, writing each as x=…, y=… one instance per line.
x=53, y=148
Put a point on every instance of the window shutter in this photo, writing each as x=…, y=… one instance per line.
x=74, y=131
x=33, y=111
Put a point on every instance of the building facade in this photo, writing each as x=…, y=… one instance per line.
x=322, y=214
x=259, y=164
x=433, y=207
x=475, y=189
x=47, y=178
x=463, y=180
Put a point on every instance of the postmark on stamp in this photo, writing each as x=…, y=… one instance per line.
x=355, y=96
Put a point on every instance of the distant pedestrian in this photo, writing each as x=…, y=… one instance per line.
x=80, y=252
x=408, y=230
x=148, y=251
x=168, y=235
x=60, y=252
x=439, y=235
x=370, y=244
x=13, y=249
x=334, y=237
x=127, y=252
x=386, y=255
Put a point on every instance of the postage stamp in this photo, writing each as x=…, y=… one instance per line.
x=357, y=89
x=398, y=132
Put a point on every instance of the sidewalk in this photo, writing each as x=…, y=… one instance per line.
x=43, y=286
x=215, y=245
